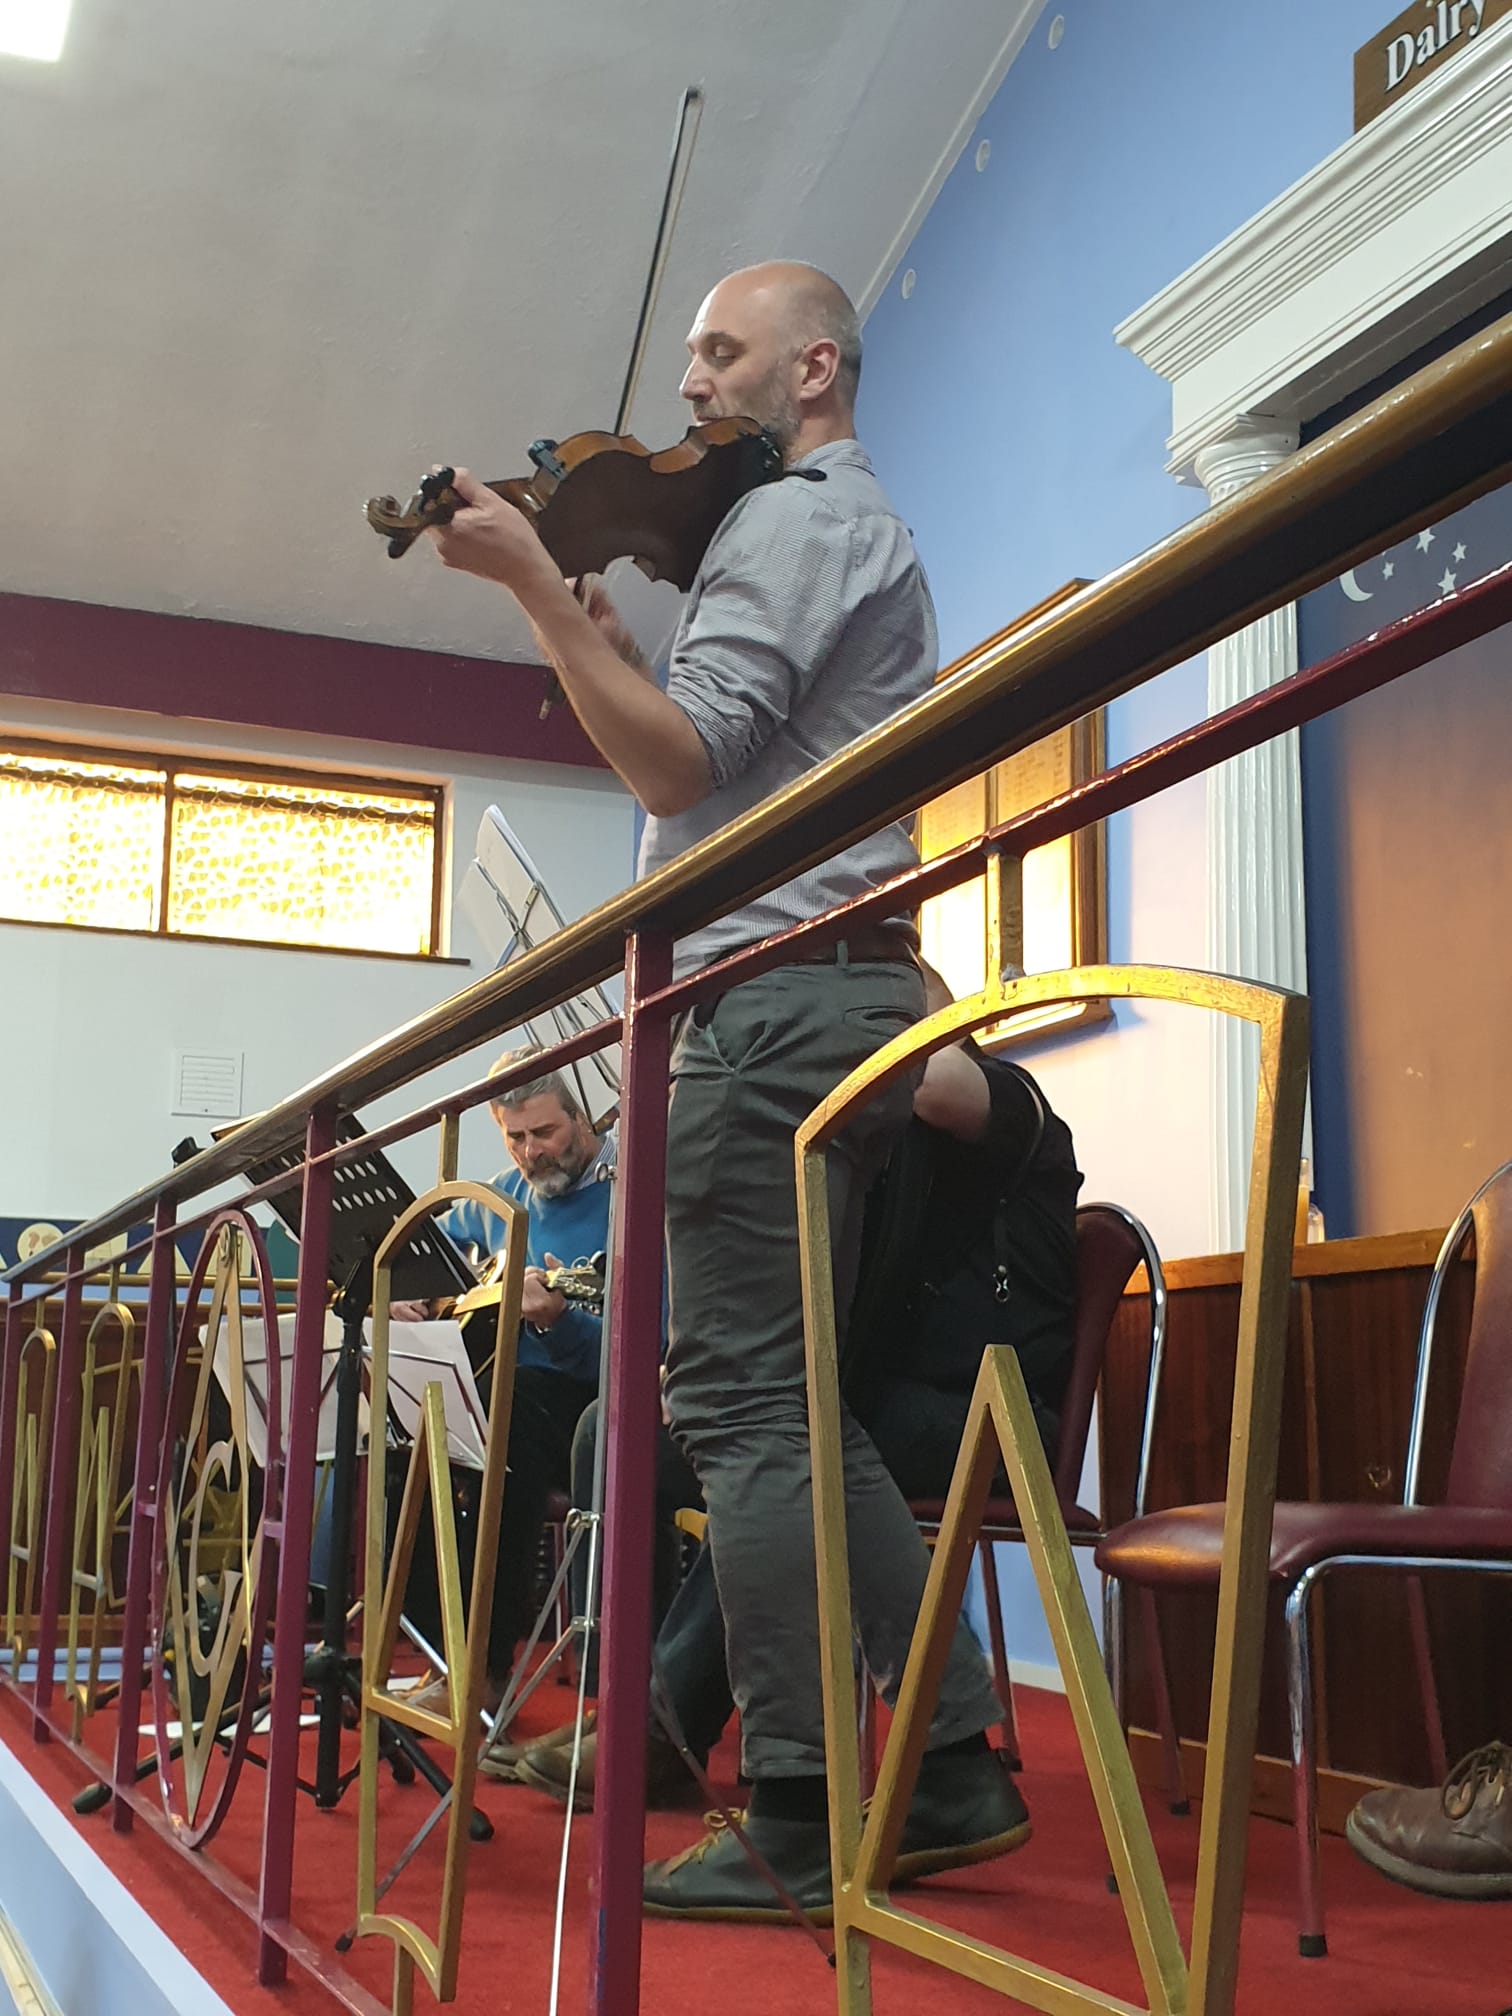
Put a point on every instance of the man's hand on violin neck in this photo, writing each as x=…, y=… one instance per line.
x=492, y=539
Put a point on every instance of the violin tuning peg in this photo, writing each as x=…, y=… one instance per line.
x=543, y=454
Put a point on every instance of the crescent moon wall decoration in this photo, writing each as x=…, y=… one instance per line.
x=1352, y=587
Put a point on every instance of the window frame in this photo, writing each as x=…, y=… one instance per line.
x=255, y=771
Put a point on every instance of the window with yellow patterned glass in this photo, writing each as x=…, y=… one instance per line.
x=128, y=842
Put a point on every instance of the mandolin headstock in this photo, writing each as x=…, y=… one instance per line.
x=583, y=1284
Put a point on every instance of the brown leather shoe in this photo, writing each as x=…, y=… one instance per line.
x=547, y=1766
x=1454, y=1842
x=502, y=1759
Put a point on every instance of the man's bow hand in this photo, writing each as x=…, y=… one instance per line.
x=606, y=619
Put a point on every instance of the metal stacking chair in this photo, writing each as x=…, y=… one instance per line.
x=1470, y=1531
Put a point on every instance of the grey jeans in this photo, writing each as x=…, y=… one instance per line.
x=747, y=1069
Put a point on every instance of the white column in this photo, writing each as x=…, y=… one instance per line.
x=1256, y=918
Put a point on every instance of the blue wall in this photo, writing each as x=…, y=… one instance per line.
x=1400, y=580
x=1023, y=444
x=1024, y=447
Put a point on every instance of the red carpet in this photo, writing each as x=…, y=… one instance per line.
x=1393, y=1953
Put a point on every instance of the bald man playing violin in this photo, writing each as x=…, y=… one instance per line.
x=809, y=623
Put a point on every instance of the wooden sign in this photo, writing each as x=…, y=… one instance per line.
x=1421, y=38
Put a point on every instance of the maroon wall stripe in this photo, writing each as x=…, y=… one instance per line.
x=211, y=671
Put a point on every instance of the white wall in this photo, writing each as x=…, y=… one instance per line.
x=89, y=1021
x=1137, y=1097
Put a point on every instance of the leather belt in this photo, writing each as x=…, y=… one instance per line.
x=871, y=944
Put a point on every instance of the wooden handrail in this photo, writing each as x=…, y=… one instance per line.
x=1431, y=444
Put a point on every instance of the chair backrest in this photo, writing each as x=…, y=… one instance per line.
x=1110, y=1244
x=1480, y=1463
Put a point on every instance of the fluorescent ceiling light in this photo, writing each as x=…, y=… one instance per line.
x=33, y=28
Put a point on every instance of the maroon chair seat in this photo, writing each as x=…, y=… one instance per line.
x=1180, y=1549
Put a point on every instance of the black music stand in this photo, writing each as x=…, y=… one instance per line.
x=368, y=1195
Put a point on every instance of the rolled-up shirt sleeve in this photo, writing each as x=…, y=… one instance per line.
x=774, y=596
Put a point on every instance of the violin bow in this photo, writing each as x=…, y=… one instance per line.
x=684, y=139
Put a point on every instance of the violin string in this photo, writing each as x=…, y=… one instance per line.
x=683, y=143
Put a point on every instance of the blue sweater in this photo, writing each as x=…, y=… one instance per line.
x=574, y=1227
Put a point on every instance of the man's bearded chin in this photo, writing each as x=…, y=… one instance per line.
x=554, y=1179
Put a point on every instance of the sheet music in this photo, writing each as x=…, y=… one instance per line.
x=255, y=1375
x=424, y=1353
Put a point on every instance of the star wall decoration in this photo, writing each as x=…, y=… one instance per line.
x=1449, y=557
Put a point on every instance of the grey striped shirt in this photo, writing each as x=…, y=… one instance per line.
x=809, y=624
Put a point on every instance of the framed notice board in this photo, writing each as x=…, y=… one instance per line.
x=1062, y=920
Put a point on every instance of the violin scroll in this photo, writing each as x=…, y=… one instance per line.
x=434, y=503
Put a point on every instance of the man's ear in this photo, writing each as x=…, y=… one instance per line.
x=821, y=362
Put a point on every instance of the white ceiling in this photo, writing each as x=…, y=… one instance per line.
x=259, y=261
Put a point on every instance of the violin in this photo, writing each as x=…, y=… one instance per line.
x=598, y=497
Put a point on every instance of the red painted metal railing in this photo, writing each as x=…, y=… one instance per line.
x=1427, y=447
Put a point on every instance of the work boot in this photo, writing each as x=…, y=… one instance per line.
x=547, y=1766
x=965, y=1809
x=715, y=1878
x=503, y=1760
x=1451, y=1842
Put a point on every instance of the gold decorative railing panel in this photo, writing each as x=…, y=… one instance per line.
x=37, y=1380
x=100, y=1513
x=464, y=1641
x=862, y=1855
x=213, y=1583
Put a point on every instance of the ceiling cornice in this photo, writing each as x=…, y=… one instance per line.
x=1402, y=231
